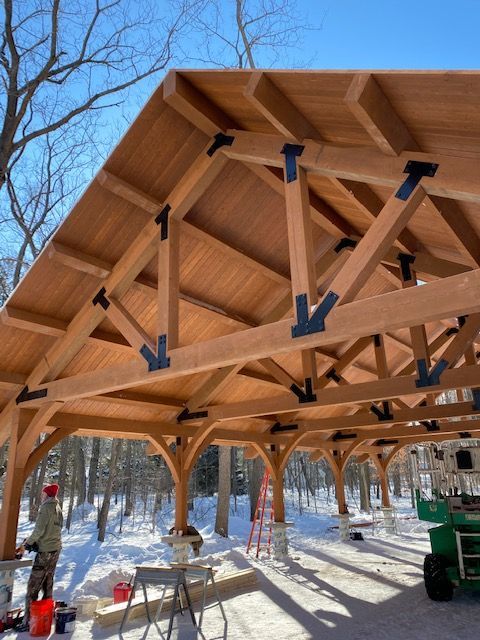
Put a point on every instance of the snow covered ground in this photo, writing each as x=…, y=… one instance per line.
x=325, y=590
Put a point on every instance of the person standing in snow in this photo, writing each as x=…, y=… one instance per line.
x=46, y=540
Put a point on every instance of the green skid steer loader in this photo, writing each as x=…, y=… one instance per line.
x=447, y=487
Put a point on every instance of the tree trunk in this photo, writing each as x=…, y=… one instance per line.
x=93, y=471
x=103, y=517
x=255, y=475
x=80, y=471
x=128, y=480
x=62, y=469
x=364, y=481
x=224, y=488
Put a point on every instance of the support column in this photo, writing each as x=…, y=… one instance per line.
x=343, y=515
x=181, y=489
x=279, y=527
x=388, y=517
x=12, y=490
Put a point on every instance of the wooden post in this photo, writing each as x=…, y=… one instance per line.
x=168, y=284
x=181, y=488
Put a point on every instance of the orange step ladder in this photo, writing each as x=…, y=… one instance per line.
x=259, y=528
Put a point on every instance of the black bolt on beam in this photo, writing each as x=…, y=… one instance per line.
x=25, y=395
x=476, y=399
x=451, y=331
x=316, y=322
x=406, y=260
x=306, y=395
x=291, y=153
x=382, y=414
x=220, y=140
x=158, y=360
x=101, y=299
x=430, y=425
x=279, y=428
x=194, y=415
x=343, y=436
x=344, y=243
x=464, y=434
x=162, y=220
x=384, y=442
x=331, y=374
x=416, y=171
x=426, y=379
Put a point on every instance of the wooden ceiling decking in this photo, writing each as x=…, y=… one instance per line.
x=229, y=212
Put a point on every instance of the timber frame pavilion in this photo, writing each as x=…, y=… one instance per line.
x=243, y=271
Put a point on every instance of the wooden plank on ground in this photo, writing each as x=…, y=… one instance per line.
x=229, y=582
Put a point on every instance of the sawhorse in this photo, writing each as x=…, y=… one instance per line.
x=160, y=576
x=204, y=574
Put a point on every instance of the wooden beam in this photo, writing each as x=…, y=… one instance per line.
x=465, y=234
x=12, y=380
x=456, y=178
x=169, y=285
x=300, y=242
x=195, y=180
x=128, y=326
x=272, y=103
x=371, y=107
x=45, y=325
x=371, y=248
x=385, y=389
x=455, y=296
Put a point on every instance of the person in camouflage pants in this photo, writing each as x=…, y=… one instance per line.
x=46, y=541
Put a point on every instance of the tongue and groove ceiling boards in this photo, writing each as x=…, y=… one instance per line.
x=271, y=259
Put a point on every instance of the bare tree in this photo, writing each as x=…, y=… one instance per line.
x=246, y=33
x=59, y=59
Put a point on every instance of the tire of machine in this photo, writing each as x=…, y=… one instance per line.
x=437, y=584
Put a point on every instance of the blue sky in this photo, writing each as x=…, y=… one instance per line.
x=389, y=34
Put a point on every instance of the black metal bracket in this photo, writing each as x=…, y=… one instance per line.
x=304, y=395
x=451, y=331
x=307, y=325
x=430, y=425
x=291, y=153
x=344, y=243
x=220, y=140
x=343, y=436
x=406, y=260
x=416, y=171
x=162, y=220
x=476, y=399
x=426, y=379
x=382, y=414
x=377, y=340
x=194, y=415
x=26, y=395
x=101, y=299
x=279, y=428
x=331, y=374
x=157, y=361
x=273, y=448
x=383, y=442
x=465, y=434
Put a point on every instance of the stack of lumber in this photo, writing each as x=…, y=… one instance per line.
x=225, y=583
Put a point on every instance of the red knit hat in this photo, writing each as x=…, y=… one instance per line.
x=51, y=490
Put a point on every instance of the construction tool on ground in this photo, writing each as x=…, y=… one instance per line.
x=260, y=526
x=447, y=480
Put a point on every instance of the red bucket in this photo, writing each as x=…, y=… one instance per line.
x=41, y=616
x=121, y=592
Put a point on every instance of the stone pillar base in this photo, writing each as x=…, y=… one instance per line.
x=181, y=546
x=7, y=570
x=343, y=525
x=280, y=540
x=389, y=520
